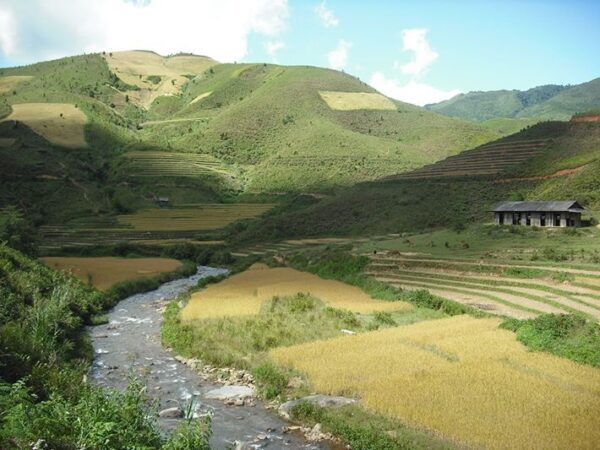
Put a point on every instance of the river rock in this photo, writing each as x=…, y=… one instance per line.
x=324, y=401
x=171, y=413
x=230, y=392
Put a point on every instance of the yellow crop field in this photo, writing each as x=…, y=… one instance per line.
x=133, y=67
x=103, y=272
x=244, y=293
x=10, y=82
x=463, y=378
x=348, y=101
x=203, y=216
x=60, y=123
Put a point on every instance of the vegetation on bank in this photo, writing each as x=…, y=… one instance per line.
x=44, y=397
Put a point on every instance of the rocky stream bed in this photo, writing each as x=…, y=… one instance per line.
x=129, y=344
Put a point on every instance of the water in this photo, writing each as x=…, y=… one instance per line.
x=130, y=344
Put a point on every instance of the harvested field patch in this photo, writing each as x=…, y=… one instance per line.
x=60, y=123
x=10, y=82
x=348, y=101
x=203, y=216
x=134, y=68
x=463, y=378
x=244, y=293
x=104, y=272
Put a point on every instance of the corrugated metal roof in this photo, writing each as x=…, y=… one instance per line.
x=550, y=206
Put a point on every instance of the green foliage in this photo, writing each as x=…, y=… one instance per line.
x=569, y=336
x=17, y=232
x=424, y=299
x=271, y=379
x=154, y=79
x=190, y=435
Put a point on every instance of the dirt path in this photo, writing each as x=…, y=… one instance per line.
x=158, y=122
x=130, y=343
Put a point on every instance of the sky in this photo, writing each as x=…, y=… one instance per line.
x=416, y=51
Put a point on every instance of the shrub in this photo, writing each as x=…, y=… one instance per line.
x=270, y=379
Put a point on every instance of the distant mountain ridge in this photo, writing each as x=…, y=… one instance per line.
x=548, y=102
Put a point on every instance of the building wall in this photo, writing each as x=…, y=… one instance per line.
x=565, y=219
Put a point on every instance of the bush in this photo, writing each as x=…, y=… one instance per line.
x=568, y=335
x=271, y=380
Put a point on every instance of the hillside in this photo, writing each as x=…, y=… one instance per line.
x=551, y=160
x=549, y=102
x=85, y=140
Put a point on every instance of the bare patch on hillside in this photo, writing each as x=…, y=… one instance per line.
x=348, y=101
x=60, y=123
x=9, y=83
x=200, y=97
x=153, y=74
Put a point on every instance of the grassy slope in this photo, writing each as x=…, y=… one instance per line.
x=266, y=124
x=272, y=120
x=544, y=102
x=411, y=205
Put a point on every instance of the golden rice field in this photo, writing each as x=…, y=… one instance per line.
x=203, y=216
x=348, y=101
x=9, y=83
x=463, y=378
x=60, y=123
x=104, y=272
x=244, y=293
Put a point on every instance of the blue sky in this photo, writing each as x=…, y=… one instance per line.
x=417, y=51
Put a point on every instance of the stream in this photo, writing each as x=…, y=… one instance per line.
x=130, y=344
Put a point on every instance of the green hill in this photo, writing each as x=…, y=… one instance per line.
x=566, y=166
x=549, y=102
x=98, y=135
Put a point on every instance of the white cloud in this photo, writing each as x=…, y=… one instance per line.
x=7, y=32
x=217, y=28
x=412, y=92
x=272, y=47
x=338, y=57
x=326, y=15
x=415, y=40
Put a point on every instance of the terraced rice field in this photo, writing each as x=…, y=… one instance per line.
x=462, y=378
x=244, y=293
x=104, y=272
x=60, y=123
x=200, y=217
x=11, y=82
x=349, y=101
x=164, y=164
x=488, y=159
x=489, y=291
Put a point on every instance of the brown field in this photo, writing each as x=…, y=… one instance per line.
x=463, y=378
x=45, y=119
x=133, y=67
x=203, y=216
x=104, y=272
x=10, y=82
x=347, y=101
x=244, y=293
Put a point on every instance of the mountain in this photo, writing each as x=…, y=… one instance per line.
x=550, y=160
x=549, y=102
x=101, y=134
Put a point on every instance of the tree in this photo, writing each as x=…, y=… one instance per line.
x=17, y=232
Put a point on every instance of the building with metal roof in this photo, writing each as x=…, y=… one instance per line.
x=563, y=213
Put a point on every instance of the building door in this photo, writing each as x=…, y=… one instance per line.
x=528, y=219
x=543, y=220
x=557, y=220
